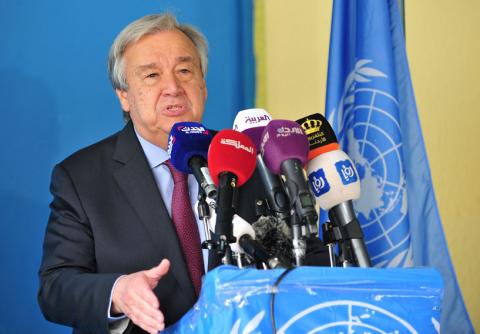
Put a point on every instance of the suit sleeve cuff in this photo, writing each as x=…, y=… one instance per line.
x=110, y=317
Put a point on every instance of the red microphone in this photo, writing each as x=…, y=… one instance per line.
x=231, y=160
x=234, y=152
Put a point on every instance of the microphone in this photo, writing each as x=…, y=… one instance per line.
x=252, y=122
x=231, y=158
x=332, y=175
x=275, y=235
x=247, y=243
x=284, y=148
x=188, y=148
x=240, y=228
x=259, y=241
x=334, y=181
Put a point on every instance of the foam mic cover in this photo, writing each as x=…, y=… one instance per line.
x=252, y=122
x=320, y=134
x=283, y=140
x=187, y=139
x=275, y=236
x=234, y=152
x=333, y=179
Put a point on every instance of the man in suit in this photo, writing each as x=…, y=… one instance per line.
x=112, y=260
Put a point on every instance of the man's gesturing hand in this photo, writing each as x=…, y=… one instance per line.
x=133, y=295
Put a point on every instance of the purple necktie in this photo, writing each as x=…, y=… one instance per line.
x=186, y=226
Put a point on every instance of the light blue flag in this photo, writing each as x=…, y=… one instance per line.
x=371, y=106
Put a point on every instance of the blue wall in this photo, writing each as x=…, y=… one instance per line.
x=55, y=98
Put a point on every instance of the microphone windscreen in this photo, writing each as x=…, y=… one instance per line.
x=187, y=139
x=333, y=179
x=232, y=151
x=252, y=122
x=283, y=140
x=321, y=136
x=275, y=236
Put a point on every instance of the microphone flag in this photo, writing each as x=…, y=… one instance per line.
x=371, y=105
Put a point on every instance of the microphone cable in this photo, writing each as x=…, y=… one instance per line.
x=275, y=290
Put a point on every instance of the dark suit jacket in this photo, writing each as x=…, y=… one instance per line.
x=108, y=219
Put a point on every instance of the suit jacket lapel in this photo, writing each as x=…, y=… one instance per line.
x=136, y=181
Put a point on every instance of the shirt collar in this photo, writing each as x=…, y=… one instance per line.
x=155, y=155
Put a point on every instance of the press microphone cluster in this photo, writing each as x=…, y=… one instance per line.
x=231, y=157
x=279, y=150
x=283, y=150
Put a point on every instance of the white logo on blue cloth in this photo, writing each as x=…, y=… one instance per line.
x=346, y=172
x=366, y=121
x=350, y=317
x=319, y=182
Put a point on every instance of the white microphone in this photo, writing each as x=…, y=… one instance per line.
x=241, y=229
x=333, y=179
x=334, y=182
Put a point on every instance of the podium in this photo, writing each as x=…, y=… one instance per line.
x=316, y=300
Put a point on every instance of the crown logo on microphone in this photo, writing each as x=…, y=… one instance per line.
x=311, y=126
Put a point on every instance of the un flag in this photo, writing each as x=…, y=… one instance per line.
x=371, y=105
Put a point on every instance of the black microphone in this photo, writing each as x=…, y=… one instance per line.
x=276, y=236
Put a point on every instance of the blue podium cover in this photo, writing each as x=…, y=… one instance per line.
x=316, y=300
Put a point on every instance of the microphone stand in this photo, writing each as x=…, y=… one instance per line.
x=331, y=235
x=349, y=233
x=277, y=198
x=227, y=198
x=299, y=244
x=304, y=218
x=204, y=214
x=334, y=234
